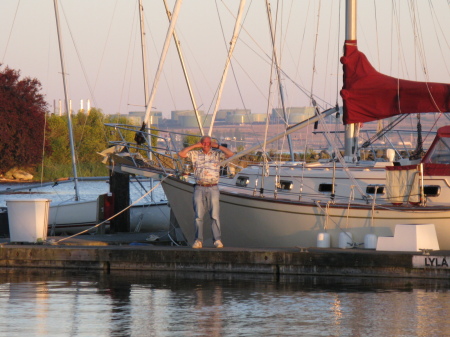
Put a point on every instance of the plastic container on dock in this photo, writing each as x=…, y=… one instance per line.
x=370, y=241
x=323, y=240
x=345, y=240
x=28, y=219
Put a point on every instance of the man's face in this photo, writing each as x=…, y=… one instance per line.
x=206, y=144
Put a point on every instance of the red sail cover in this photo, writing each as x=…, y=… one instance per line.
x=369, y=95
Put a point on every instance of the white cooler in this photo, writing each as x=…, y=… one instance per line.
x=28, y=219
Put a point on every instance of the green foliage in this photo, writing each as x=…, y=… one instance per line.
x=117, y=119
x=90, y=137
x=154, y=139
x=190, y=139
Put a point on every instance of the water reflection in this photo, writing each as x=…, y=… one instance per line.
x=69, y=303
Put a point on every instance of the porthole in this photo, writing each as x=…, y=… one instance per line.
x=370, y=189
x=432, y=190
x=286, y=185
x=242, y=181
x=326, y=188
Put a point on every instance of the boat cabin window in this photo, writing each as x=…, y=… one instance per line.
x=372, y=189
x=286, y=185
x=441, y=152
x=432, y=190
x=242, y=181
x=326, y=188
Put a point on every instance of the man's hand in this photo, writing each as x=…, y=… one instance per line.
x=197, y=145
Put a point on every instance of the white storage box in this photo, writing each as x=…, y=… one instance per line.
x=28, y=219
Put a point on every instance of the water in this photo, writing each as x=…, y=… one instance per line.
x=65, y=191
x=62, y=303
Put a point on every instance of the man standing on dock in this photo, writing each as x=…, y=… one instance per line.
x=206, y=163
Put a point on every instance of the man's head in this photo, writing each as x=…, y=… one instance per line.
x=206, y=143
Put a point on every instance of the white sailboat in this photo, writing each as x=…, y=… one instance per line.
x=296, y=204
x=77, y=215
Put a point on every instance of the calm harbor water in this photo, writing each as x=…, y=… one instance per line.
x=64, y=191
x=62, y=303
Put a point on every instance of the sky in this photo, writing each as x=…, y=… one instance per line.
x=102, y=49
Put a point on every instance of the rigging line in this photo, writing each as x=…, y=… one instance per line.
x=302, y=40
x=401, y=58
x=376, y=33
x=130, y=51
x=78, y=145
x=236, y=31
x=276, y=26
x=418, y=42
x=232, y=65
x=421, y=49
x=392, y=39
x=433, y=13
x=413, y=18
x=284, y=43
x=264, y=53
x=327, y=58
x=79, y=56
x=269, y=105
x=150, y=31
x=303, y=90
x=10, y=32
x=397, y=19
x=106, y=42
x=226, y=49
x=300, y=87
x=115, y=215
x=315, y=47
x=75, y=145
x=383, y=131
x=342, y=161
x=43, y=149
x=338, y=66
x=286, y=112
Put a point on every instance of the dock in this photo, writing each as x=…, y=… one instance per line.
x=134, y=252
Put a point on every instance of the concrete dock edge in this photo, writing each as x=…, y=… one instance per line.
x=283, y=261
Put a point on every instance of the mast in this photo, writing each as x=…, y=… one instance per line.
x=144, y=52
x=280, y=86
x=169, y=34
x=69, y=114
x=186, y=77
x=351, y=130
x=227, y=64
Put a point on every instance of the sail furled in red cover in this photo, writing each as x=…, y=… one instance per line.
x=369, y=95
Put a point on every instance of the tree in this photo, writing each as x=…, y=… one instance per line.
x=90, y=137
x=22, y=120
x=190, y=139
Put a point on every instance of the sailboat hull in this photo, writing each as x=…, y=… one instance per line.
x=248, y=221
x=74, y=217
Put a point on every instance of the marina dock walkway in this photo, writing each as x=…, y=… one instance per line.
x=132, y=251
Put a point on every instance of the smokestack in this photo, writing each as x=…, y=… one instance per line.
x=60, y=107
x=88, y=106
x=81, y=105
